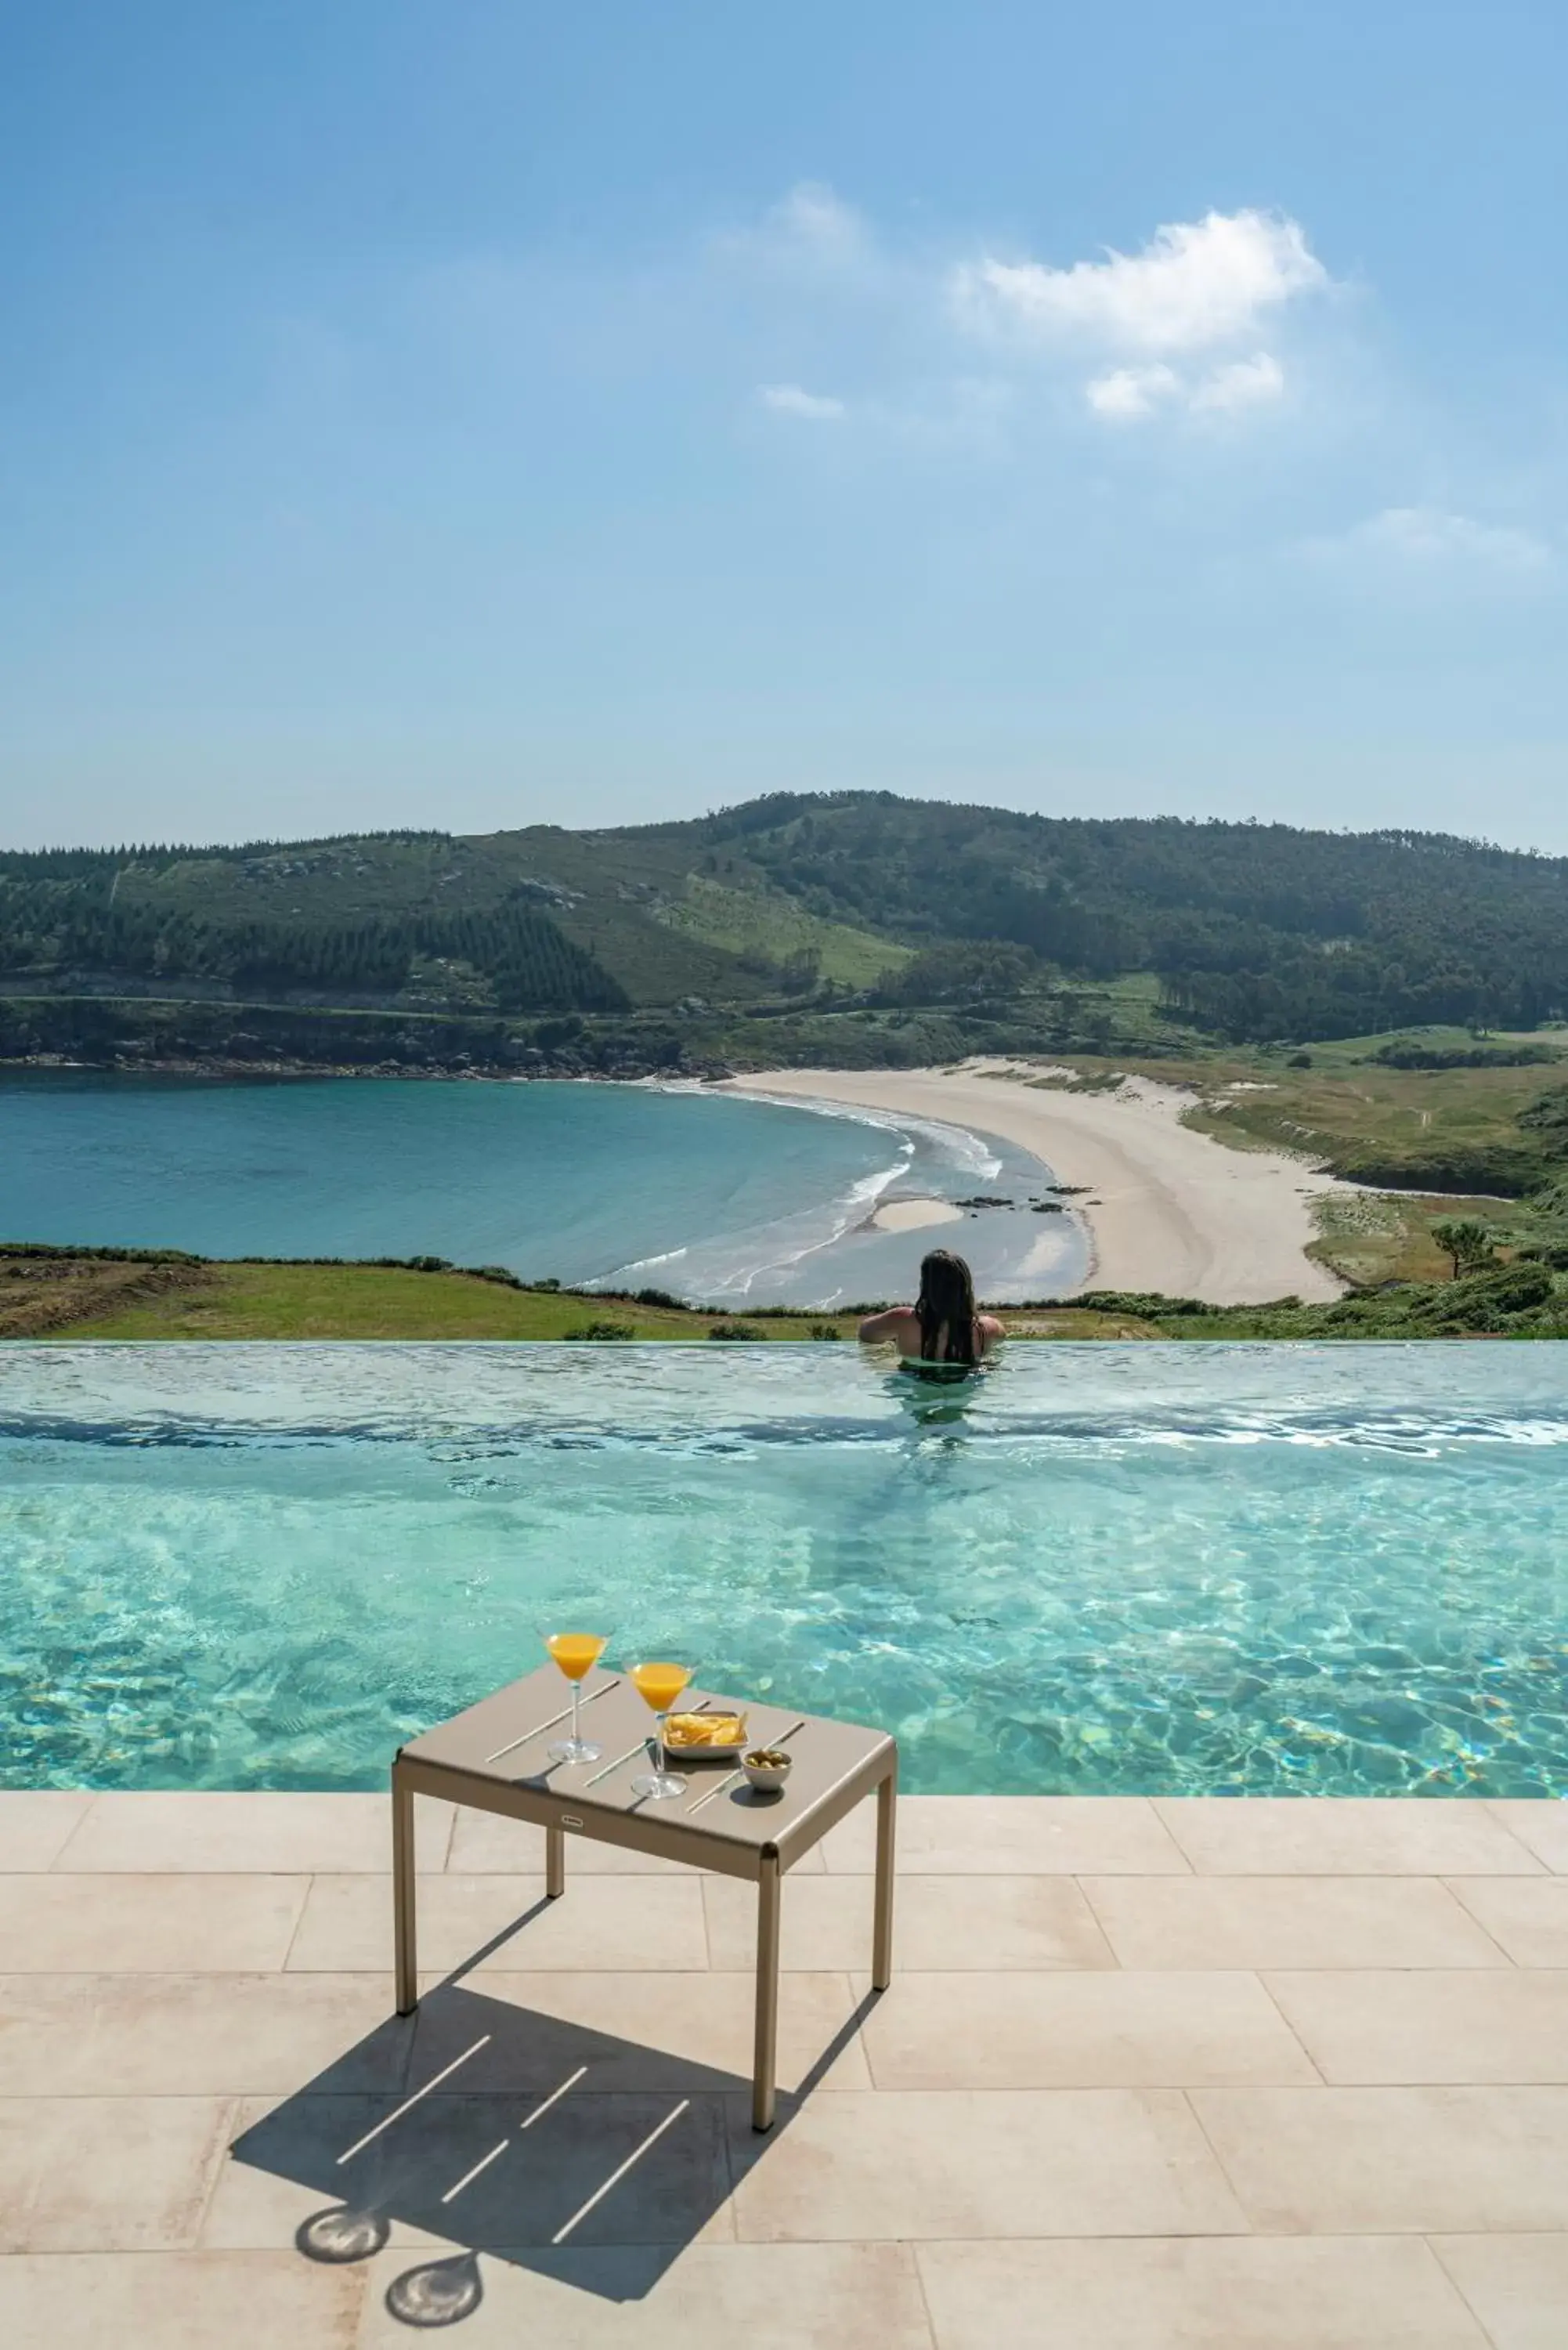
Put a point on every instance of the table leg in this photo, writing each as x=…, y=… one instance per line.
x=882, y=1936
x=403, y=1918
x=554, y=1863
x=766, y=2063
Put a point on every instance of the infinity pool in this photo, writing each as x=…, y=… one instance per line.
x=1146, y=1569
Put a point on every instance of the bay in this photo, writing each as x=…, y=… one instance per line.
x=709, y=1195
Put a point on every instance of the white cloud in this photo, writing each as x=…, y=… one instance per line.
x=1428, y=534
x=1128, y=393
x=1195, y=286
x=791, y=399
x=810, y=232
x=1239, y=384
x=1429, y=541
x=813, y=215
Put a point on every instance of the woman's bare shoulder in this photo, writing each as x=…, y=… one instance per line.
x=891, y=1322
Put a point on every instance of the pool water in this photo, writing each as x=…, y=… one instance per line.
x=1096, y=1569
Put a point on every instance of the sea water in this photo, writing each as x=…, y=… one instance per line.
x=1153, y=1569
x=707, y=1195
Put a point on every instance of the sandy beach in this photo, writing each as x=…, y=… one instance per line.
x=913, y=1215
x=1167, y=1209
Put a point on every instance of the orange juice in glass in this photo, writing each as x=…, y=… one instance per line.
x=577, y=1653
x=658, y=1683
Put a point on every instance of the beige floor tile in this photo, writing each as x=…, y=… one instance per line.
x=280, y=1833
x=1541, y=1825
x=1011, y=1835
x=1198, y=2293
x=751, y=2296
x=649, y=2030
x=485, y=2171
x=616, y=1923
x=1077, y=2031
x=1334, y=2162
x=34, y=1822
x=1517, y=2285
x=1289, y=1921
x=989, y=1922
x=195, y=2035
x=1526, y=1917
x=924, y=2164
x=484, y=1844
x=107, y=2174
x=1503, y=2024
x=178, y=2301
x=57, y=1924
x=1338, y=1836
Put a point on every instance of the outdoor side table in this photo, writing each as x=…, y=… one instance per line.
x=493, y=1758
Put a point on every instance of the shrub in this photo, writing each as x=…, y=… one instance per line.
x=1140, y=1303
x=1484, y=1302
x=603, y=1331
x=734, y=1330
x=66, y=1251
x=1548, y=1116
x=1501, y=1170
x=826, y=1330
x=1471, y=1057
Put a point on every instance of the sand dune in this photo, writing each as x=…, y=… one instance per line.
x=1167, y=1209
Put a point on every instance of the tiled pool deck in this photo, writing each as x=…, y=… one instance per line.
x=1221, y=2074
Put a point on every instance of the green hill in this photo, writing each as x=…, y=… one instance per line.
x=888, y=914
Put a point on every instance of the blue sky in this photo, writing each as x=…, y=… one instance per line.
x=474, y=415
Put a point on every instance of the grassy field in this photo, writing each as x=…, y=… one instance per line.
x=57, y=1296
x=1340, y=1106
x=86, y=1298
x=1344, y=1102
x=1368, y=1237
x=759, y=920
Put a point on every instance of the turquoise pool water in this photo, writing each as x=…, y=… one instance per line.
x=1141, y=1569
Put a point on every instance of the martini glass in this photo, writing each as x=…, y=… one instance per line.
x=577, y=1653
x=658, y=1683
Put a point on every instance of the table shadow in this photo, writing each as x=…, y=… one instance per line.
x=514, y=2134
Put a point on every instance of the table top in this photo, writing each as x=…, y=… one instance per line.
x=497, y=1749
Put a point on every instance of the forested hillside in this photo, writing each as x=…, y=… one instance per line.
x=1255, y=931
x=853, y=907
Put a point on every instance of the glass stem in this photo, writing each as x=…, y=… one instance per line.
x=576, y=1696
x=659, y=1745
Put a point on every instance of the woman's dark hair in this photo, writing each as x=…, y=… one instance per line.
x=946, y=1309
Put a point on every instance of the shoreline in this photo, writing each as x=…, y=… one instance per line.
x=1162, y=1208
x=1166, y=1209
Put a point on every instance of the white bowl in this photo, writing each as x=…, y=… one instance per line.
x=766, y=1768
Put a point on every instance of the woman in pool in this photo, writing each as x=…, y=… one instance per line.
x=943, y=1331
